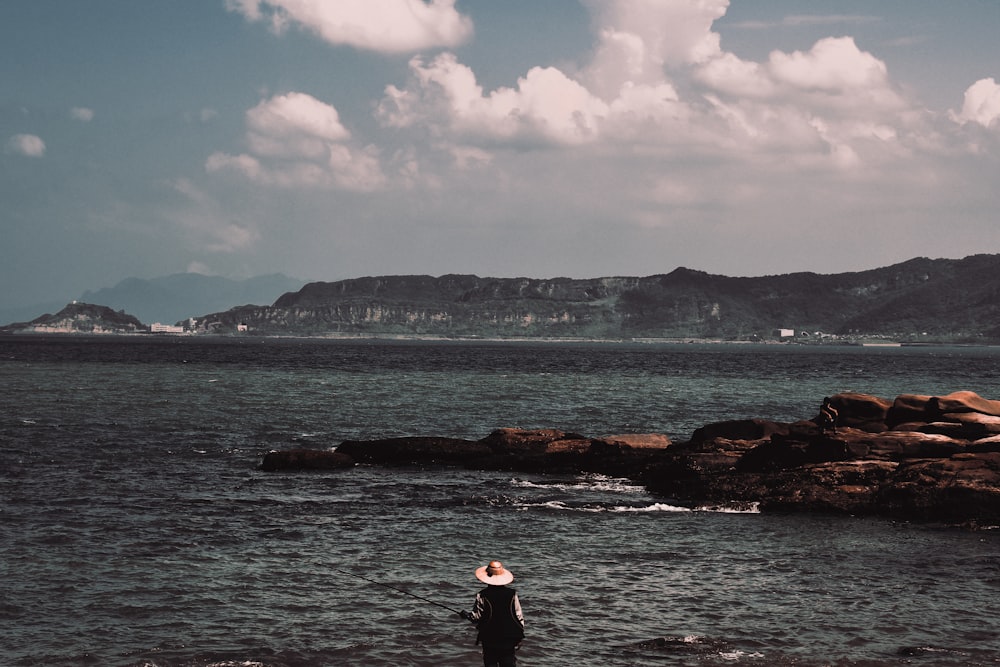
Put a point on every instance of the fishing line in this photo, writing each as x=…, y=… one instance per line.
x=398, y=590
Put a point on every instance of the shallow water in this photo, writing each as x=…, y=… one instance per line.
x=136, y=530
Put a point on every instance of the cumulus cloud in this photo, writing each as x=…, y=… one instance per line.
x=295, y=140
x=82, y=114
x=28, y=145
x=833, y=64
x=666, y=32
x=390, y=26
x=820, y=102
x=982, y=104
x=293, y=125
x=546, y=105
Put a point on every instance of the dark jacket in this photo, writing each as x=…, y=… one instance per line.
x=497, y=614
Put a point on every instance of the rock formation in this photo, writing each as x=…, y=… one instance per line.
x=928, y=458
x=80, y=318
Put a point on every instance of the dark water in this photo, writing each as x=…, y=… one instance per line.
x=135, y=529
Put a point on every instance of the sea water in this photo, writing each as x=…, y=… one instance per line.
x=135, y=528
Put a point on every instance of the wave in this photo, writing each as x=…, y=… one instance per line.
x=586, y=483
x=561, y=505
x=741, y=508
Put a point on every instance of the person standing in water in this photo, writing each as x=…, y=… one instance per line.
x=497, y=615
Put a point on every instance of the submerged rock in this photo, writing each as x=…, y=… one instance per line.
x=305, y=459
x=916, y=457
x=413, y=451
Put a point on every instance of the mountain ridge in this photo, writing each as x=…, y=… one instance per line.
x=953, y=299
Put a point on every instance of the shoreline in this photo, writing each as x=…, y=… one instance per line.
x=860, y=342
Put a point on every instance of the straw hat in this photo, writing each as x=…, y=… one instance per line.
x=494, y=574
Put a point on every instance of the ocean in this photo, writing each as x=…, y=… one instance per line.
x=136, y=529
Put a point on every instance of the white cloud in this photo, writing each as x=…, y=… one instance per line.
x=293, y=125
x=820, y=102
x=28, y=145
x=834, y=64
x=207, y=224
x=390, y=26
x=741, y=78
x=547, y=106
x=982, y=104
x=82, y=114
x=295, y=140
x=672, y=32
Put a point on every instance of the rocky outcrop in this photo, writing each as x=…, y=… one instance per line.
x=917, y=457
x=541, y=450
x=930, y=458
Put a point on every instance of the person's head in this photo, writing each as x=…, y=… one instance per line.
x=494, y=574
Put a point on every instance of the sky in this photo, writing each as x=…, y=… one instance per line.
x=332, y=139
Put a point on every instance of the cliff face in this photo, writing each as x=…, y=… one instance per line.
x=952, y=299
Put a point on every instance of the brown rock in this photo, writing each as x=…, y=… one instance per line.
x=781, y=453
x=738, y=429
x=961, y=488
x=861, y=410
x=957, y=430
x=965, y=401
x=847, y=487
x=907, y=408
x=636, y=441
x=914, y=444
x=534, y=442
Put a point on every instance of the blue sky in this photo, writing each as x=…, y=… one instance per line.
x=329, y=139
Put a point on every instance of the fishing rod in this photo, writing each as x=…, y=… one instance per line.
x=398, y=590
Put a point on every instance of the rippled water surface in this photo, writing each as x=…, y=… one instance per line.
x=136, y=530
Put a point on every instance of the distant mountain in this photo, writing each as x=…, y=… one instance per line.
x=177, y=297
x=918, y=300
x=79, y=318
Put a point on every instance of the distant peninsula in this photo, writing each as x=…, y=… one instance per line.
x=919, y=301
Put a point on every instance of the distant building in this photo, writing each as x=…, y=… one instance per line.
x=785, y=333
x=156, y=327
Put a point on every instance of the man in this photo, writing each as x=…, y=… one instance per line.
x=827, y=416
x=497, y=614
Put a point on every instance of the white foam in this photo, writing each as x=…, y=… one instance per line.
x=737, y=655
x=587, y=483
x=655, y=507
x=748, y=508
x=560, y=505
